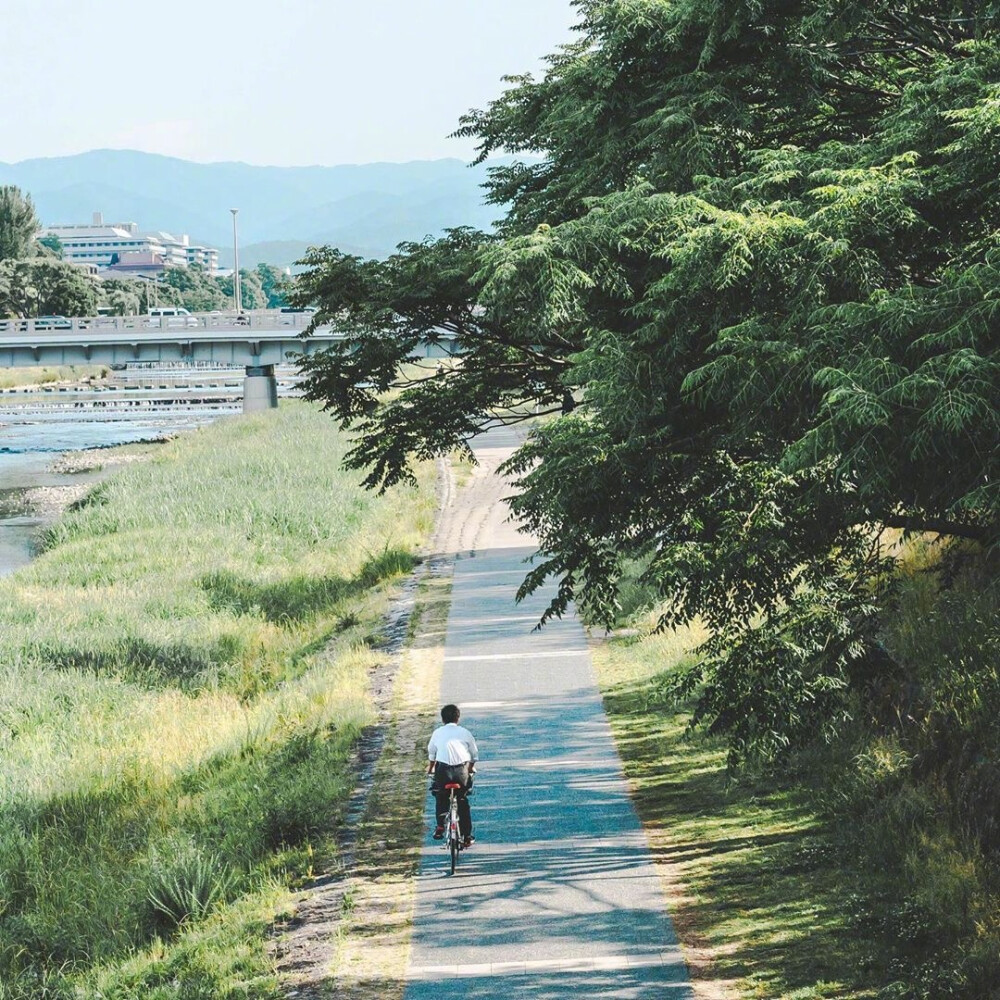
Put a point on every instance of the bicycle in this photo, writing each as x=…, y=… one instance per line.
x=453, y=838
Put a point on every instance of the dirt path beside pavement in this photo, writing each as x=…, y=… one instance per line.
x=349, y=936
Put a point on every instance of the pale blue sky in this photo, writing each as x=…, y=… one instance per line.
x=299, y=82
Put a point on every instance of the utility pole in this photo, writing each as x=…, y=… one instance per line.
x=236, y=265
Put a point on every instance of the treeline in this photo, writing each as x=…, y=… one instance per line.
x=754, y=281
x=36, y=281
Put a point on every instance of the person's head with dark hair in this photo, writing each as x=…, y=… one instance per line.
x=450, y=713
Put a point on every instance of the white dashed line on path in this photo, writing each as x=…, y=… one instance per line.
x=547, y=655
x=543, y=965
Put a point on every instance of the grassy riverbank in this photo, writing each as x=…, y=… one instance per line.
x=863, y=869
x=756, y=901
x=184, y=674
x=11, y=378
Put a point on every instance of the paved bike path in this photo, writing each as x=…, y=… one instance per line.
x=559, y=896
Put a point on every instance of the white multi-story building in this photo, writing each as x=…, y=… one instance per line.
x=106, y=245
x=207, y=257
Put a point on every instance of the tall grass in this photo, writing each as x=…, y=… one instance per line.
x=14, y=377
x=868, y=868
x=184, y=673
x=217, y=565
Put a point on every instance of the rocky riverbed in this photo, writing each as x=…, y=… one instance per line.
x=57, y=439
x=36, y=488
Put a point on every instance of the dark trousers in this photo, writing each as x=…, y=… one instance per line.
x=446, y=774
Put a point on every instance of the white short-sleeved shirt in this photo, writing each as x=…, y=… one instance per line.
x=452, y=744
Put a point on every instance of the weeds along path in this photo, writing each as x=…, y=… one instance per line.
x=349, y=935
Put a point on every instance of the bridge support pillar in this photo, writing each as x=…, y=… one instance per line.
x=260, y=389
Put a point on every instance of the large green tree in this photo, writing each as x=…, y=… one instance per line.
x=755, y=272
x=126, y=296
x=252, y=293
x=275, y=284
x=18, y=223
x=41, y=286
x=194, y=288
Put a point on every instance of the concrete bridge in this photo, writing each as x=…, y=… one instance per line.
x=257, y=339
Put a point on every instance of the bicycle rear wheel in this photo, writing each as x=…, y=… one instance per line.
x=453, y=832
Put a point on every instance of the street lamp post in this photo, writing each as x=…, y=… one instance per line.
x=236, y=265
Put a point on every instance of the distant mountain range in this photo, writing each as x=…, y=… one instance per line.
x=364, y=209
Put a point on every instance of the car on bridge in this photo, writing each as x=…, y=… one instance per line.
x=170, y=316
x=53, y=323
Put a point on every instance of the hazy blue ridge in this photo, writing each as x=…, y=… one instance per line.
x=362, y=208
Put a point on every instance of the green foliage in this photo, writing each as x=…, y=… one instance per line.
x=890, y=887
x=52, y=242
x=755, y=272
x=18, y=224
x=40, y=286
x=183, y=676
x=275, y=285
x=125, y=297
x=918, y=801
x=198, y=291
x=428, y=408
x=185, y=883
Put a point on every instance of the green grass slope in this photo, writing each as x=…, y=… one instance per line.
x=866, y=868
x=183, y=674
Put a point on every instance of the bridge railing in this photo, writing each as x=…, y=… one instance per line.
x=257, y=319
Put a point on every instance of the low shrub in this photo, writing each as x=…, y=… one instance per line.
x=184, y=883
x=884, y=879
x=920, y=803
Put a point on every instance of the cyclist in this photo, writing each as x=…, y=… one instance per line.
x=451, y=757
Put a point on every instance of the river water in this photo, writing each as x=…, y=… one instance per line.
x=38, y=426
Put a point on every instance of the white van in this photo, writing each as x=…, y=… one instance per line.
x=170, y=316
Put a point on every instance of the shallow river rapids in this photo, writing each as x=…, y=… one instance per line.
x=38, y=426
